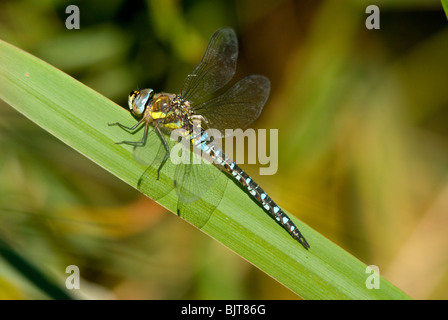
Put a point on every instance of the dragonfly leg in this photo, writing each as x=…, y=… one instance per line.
x=140, y=143
x=128, y=128
x=167, y=150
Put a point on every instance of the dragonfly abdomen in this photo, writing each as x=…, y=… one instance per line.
x=267, y=203
x=203, y=142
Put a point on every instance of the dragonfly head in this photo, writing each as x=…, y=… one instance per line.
x=139, y=100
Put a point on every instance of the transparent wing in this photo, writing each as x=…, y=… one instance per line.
x=197, y=184
x=238, y=107
x=216, y=68
x=155, y=185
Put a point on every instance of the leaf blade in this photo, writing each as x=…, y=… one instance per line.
x=79, y=116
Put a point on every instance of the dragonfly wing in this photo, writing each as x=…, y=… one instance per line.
x=155, y=185
x=239, y=106
x=199, y=185
x=216, y=68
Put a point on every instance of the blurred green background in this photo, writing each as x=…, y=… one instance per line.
x=363, y=143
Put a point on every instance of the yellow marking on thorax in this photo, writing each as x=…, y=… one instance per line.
x=173, y=125
x=159, y=114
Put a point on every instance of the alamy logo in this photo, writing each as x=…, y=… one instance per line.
x=373, y=280
x=72, y=21
x=212, y=139
x=373, y=20
x=72, y=281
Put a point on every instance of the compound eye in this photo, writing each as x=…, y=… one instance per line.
x=131, y=99
x=139, y=100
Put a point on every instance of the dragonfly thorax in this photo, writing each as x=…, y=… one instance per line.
x=161, y=106
x=167, y=110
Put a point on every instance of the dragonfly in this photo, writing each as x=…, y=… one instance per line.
x=205, y=101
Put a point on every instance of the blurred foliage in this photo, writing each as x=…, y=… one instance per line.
x=363, y=136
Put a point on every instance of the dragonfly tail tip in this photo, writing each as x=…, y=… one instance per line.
x=304, y=243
